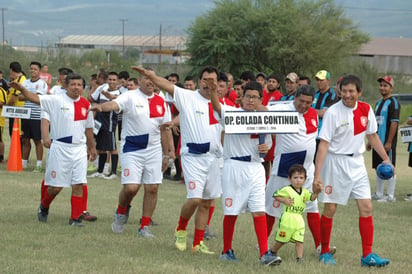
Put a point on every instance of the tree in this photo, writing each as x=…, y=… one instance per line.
x=273, y=36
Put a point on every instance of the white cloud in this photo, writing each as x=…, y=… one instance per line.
x=16, y=22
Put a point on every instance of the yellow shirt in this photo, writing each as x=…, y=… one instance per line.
x=3, y=100
x=14, y=92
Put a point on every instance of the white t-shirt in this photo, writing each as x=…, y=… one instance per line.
x=57, y=90
x=142, y=116
x=345, y=128
x=296, y=148
x=68, y=118
x=241, y=146
x=39, y=87
x=200, y=131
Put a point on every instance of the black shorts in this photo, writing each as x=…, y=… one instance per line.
x=376, y=159
x=410, y=159
x=31, y=129
x=105, y=140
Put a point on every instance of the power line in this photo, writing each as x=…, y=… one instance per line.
x=380, y=9
x=123, y=21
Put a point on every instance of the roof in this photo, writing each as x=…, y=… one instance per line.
x=129, y=41
x=387, y=47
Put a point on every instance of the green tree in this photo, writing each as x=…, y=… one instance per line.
x=267, y=35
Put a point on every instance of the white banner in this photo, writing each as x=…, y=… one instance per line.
x=16, y=112
x=406, y=134
x=255, y=122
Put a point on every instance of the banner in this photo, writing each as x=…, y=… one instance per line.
x=16, y=112
x=254, y=122
x=406, y=134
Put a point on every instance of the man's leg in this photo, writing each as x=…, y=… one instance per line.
x=125, y=197
x=187, y=211
x=39, y=154
x=26, y=151
x=76, y=205
x=201, y=217
x=149, y=205
x=326, y=221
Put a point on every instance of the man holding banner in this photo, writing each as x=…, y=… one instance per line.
x=243, y=175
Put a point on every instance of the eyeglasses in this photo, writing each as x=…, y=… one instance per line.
x=252, y=97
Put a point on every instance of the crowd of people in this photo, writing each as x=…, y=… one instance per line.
x=163, y=123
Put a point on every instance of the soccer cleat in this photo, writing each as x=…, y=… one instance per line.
x=300, y=260
x=37, y=169
x=408, y=198
x=145, y=232
x=386, y=199
x=228, y=256
x=327, y=258
x=91, y=168
x=201, y=248
x=270, y=258
x=76, y=222
x=332, y=250
x=208, y=233
x=374, y=260
x=376, y=197
x=180, y=239
x=42, y=214
x=118, y=222
x=96, y=175
x=87, y=217
x=110, y=177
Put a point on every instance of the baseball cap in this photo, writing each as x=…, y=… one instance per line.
x=322, y=75
x=261, y=74
x=292, y=77
x=388, y=79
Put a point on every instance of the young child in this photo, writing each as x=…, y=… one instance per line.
x=294, y=197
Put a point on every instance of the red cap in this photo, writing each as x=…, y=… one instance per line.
x=388, y=79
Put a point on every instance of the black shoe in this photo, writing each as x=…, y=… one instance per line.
x=177, y=177
x=42, y=214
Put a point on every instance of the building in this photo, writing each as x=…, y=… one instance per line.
x=153, y=49
x=388, y=55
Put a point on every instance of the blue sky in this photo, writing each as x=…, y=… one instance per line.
x=33, y=22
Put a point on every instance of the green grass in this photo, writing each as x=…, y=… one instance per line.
x=28, y=246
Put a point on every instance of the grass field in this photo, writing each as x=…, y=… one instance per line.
x=28, y=246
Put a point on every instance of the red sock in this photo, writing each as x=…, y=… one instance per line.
x=85, y=197
x=145, y=221
x=182, y=223
x=366, y=233
x=325, y=232
x=228, y=230
x=198, y=236
x=47, y=199
x=121, y=210
x=270, y=221
x=211, y=210
x=314, y=226
x=42, y=190
x=261, y=233
x=77, y=208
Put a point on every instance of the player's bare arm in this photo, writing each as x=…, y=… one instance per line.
x=26, y=95
x=44, y=127
x=320, y=158
x=105, y=107
x=393, y=128
x=284, y=200
x=378, y=147
x=167, y=147
x=91, y=146
x=212, y=86
x=161, y=82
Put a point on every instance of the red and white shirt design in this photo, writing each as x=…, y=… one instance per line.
x=197, y=121
x=345, y=128
x=142, y=115
x=303, y=143
x=68, y=118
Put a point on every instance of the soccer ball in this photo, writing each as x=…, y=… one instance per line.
x=384, y=171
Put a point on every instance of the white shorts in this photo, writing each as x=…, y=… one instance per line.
x=243, y=187
x=344, y=177
x=142, y=167
x=273, y=207
x=66, y=165
x=202, y=176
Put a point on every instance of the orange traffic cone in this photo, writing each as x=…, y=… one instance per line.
x=14, y=163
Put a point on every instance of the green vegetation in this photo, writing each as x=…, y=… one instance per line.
x=32, y=247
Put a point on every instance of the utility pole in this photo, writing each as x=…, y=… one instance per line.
x=123, y=21
x=2, y=23
x=160, y=45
